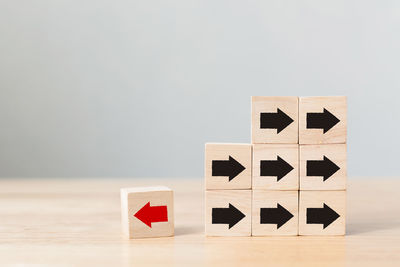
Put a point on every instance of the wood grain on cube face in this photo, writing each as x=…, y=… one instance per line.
x=322, y=120
x=274, y=213
x=228, y=213
x=274, y=119
x=147, y=212
x=276, y=166
x=323, y=167
x=322, y=213
x=228, y=166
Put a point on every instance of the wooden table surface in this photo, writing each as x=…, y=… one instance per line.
x=73, y=222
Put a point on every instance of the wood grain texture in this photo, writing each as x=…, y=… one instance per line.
x=220, y=151
x=77, y=222
x=270, y=104
x=337, y=105
x=240, y=199
x=134, y=199
x=289, y=200
x=289, y=153
x=337, y=153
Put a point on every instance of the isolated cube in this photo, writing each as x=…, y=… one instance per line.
x=322, y=120
x=147, y=212
x=274, y=119
x=228, y=166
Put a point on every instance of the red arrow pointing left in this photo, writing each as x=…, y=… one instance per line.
x=148, y=214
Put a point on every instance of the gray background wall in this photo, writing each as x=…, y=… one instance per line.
x=135, y=88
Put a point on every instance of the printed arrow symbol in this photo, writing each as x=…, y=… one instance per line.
x=230, y=216
x=324, y=120
x=149, y=215
x=231, y=168
x=325, y=168
x=278, y=120
x=278, y=216
x=324, y=215
x=278, y=168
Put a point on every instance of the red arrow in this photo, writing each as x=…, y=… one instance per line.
x=153, y=214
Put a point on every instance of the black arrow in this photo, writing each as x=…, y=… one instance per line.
x=278, y=216
x=325, y=168
x=229, y=215
x=278, y=168
x=278, y=120
x=324, y=120
x=324, y=215
x=229, y=168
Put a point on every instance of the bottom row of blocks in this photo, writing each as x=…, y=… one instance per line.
x=264, y=213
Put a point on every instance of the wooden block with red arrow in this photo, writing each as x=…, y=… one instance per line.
x=147, y=212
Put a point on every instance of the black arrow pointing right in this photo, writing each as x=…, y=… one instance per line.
x=231, y=168
x=325, y=168
x=278, y=168
x=230, y=216
x=278, y=120
x=324, y=215
x=278, y=216
x=325, y=120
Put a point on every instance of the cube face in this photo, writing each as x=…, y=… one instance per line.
x=228, y=166
x=228, y=213
x=322, y=120
x=322, y=213
x=275, y=213
x=274, y=120
x=147, y=212
x=276, y=166
x=323, y=167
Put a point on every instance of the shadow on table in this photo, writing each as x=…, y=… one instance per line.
x=188, y=230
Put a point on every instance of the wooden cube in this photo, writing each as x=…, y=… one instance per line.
x=228, y=213
x=228, y=166
x=147, y=212
x=323, y=167
x=276, y=166
x=322, y=120
x=322, y=213
x=274, y=119
x=275, y=213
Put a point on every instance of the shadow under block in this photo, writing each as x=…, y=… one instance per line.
x=322, y=213
x=322, y=120
x=228, y=213
x=274, y=119
x=275, y=213
x=147, y=212
x=276, y=166
x=228, y=166
x=323, y=167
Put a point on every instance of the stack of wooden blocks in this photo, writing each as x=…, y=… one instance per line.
x=291, y=180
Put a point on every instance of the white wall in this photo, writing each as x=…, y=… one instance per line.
x=135, y=88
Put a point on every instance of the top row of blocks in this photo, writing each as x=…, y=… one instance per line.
x=299, y=120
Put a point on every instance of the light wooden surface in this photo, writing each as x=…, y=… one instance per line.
x=75, y=222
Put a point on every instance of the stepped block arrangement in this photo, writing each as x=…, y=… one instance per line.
x=291, y=180
x=147, y=212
